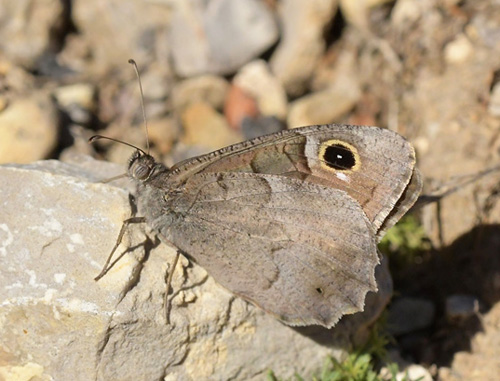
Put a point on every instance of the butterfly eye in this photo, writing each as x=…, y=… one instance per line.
x=141, y=172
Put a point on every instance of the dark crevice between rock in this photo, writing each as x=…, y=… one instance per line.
x=64, y=136
x=104, y=342
x=174, y=293
x=333, y=31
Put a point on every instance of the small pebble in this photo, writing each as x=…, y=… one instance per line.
x=461, y=307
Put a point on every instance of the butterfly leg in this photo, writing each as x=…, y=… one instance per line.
x=168, y=279
x=107, y=266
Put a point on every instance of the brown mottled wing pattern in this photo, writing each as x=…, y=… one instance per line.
x=302, y=252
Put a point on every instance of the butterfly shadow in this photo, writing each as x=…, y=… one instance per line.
x=147, y=245
x=469, y=266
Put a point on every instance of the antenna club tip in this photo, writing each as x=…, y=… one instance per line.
x=131, y=61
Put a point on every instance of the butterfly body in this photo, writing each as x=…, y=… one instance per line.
x=288, y=221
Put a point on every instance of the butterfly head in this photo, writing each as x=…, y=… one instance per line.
x=141, y=166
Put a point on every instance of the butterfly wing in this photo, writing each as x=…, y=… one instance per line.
x=289, y=221
x=373, y=165
x=304, y=252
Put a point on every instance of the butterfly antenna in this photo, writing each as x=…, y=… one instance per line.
x=133, y=63
x=97, y=137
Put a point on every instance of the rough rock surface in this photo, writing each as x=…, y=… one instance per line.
x=57, y=226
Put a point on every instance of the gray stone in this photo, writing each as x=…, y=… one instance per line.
x=58, y=225
x=409, y=314
x=262, y=125
x=218, y=36
x=460, y=307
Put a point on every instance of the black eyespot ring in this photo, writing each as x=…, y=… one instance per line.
x=339, y=156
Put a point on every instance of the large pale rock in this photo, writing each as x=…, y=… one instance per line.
x=57, y=226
